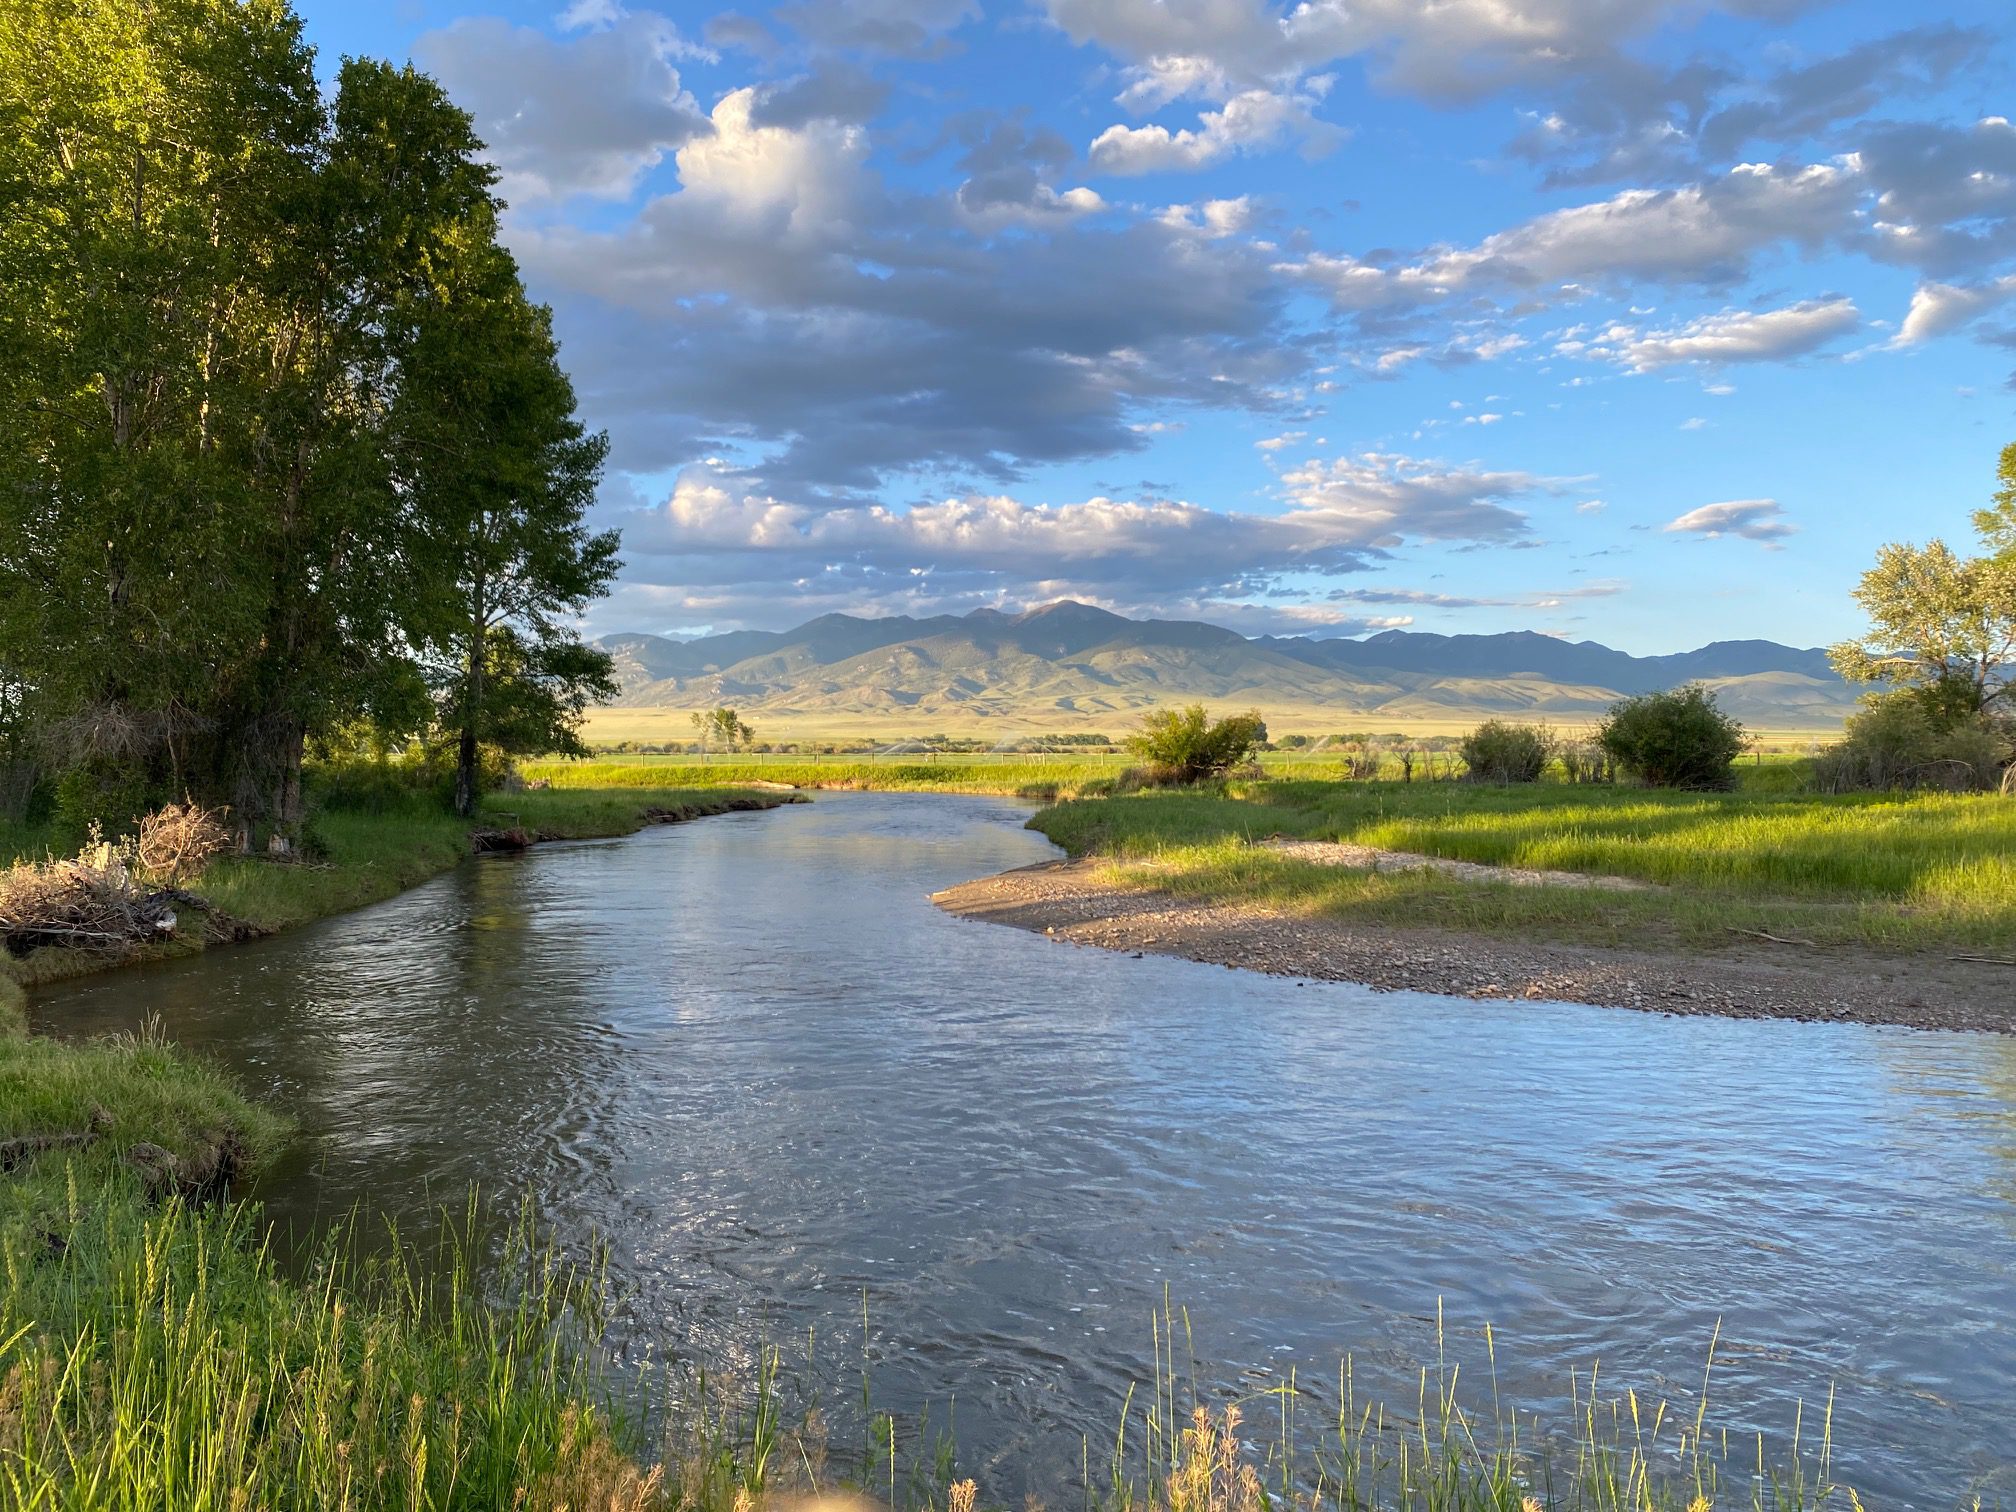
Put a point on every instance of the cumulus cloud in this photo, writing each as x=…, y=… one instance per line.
x=1937, y=308
x=1249, y=121
x=1451, y=50
x=1704, y=235
x=1945, y=194
x=588, y=114
x=1806, y=100
x=715, y=533
x=1212, y=218
x=1730, y=336
x=1753, y=519
x=1012, y=170
x=854, y=304
x=1388, y=499
x=1622, y=118
x=786, y=299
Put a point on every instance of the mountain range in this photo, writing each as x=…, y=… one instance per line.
x=1069, y=663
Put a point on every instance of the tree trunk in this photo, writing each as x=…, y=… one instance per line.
x=472, y=709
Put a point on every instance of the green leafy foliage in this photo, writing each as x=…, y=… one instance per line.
x=282, y=442
x=722, y=730
x=1677, y=739
x=1943, y=626
x=1896, y=742
x=1500, y=751
x=1187, y=745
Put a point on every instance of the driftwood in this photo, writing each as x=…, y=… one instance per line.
x=14, y=1153
x=180, y=840
x=1758, y=934
x=489, y=842
x=95, y=902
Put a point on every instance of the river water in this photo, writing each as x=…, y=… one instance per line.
x=749, y=1054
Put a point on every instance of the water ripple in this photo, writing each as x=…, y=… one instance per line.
x=751, y=1055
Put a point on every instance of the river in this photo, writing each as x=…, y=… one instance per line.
x=752, y=1057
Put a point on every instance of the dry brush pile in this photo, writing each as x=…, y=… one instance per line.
x=112, y=896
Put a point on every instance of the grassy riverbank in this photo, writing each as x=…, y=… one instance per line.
x=367, y=855
x=153, y=1356
x=1901, y=872
x=152, y=1353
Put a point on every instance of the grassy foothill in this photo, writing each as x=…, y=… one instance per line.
x=1898, y=871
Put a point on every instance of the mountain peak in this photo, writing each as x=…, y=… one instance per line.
x=1070, y=611
x=1070, y=664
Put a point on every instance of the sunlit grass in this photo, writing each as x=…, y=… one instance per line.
x=1881, y=870
x=1029, y=777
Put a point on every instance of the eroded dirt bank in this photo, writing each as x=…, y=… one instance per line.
x=1070, y=901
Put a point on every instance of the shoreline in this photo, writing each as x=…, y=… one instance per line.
x=1071, y=901
x=20, y=976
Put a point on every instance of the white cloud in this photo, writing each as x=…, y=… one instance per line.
x=803, y=182
x=1247, y=122
x=1451, y=49
x=1753, y=519
x=1730, y=336
x=1703, y=234
x=1212, y=218
x=1937, y=308
x=715, y=533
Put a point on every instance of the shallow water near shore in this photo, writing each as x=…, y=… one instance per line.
x=751, y=1055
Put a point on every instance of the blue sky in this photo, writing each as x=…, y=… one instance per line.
x=1630, y=320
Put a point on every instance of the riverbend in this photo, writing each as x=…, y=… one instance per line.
x=752, y=1057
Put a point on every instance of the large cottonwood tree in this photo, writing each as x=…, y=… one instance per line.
x=218, y=295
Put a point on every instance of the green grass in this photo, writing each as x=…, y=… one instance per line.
x=1882, y=870
x=1040, y=778
x=158, y=1358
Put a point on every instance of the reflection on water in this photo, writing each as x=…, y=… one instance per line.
x=750, y=1054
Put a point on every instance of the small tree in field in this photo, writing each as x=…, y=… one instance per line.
x=1185, y=745
x=721, y=729
x=1500, y=751
x=1677, y=739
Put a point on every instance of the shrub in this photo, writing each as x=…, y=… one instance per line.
x=1896, y=742
x=1676, y=739
x=1586, y=761
x=1185, y=745
x=1503, y=752
x=106, y=793
x=179, y=840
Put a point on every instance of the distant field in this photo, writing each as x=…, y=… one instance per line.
x=655, y=726
x=1037, y=774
